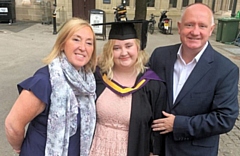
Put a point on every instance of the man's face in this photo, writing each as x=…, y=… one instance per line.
x=195, y=28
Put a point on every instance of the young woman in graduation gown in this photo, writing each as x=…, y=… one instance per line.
x=129, y=97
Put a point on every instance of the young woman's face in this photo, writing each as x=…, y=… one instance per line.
x=125, y=53
x=79, y=47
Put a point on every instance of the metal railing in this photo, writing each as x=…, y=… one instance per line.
x=46, y=12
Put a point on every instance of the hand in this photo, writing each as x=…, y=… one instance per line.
x=165, y=125
x=151, y=154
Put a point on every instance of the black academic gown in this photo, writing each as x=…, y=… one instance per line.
x=147, y=105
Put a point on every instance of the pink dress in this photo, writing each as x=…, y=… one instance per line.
x=113, y=116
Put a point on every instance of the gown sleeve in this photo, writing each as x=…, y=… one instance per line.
x=158, y=99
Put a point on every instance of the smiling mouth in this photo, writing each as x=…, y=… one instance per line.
x=193, y=38
x=124, y=58
x=79, y=55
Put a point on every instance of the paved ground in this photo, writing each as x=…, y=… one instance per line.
x=21, y=51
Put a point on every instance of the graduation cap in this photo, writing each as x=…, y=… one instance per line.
x=122, y=30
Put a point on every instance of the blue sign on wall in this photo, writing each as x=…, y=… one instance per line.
x=106, y=1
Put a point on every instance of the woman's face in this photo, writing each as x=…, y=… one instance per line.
x=125, y=53
x=79, y=47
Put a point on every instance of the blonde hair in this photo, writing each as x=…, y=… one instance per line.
x=69, y=28
x=105, y=59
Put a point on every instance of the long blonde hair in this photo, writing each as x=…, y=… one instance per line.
x=105, y=59
x=69, y=28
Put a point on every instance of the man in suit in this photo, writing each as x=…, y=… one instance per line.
x=202, y=88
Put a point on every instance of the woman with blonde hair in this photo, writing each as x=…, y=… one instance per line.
x=57, y=102
x=129, y=96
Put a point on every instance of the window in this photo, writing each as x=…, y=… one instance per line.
x=185, y=3
x=198, y=1
x=150, y=3
x=173, y=3
x=126, y=2
x=106, y=1
x=221, y=5
x=230, y=5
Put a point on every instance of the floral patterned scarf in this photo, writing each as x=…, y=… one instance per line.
x=70, y=89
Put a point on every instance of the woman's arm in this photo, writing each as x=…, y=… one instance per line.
x=26, y=108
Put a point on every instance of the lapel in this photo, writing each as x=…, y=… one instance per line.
x=169, y=72
x=201, y=68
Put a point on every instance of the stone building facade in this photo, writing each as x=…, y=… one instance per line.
x=38, y=10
